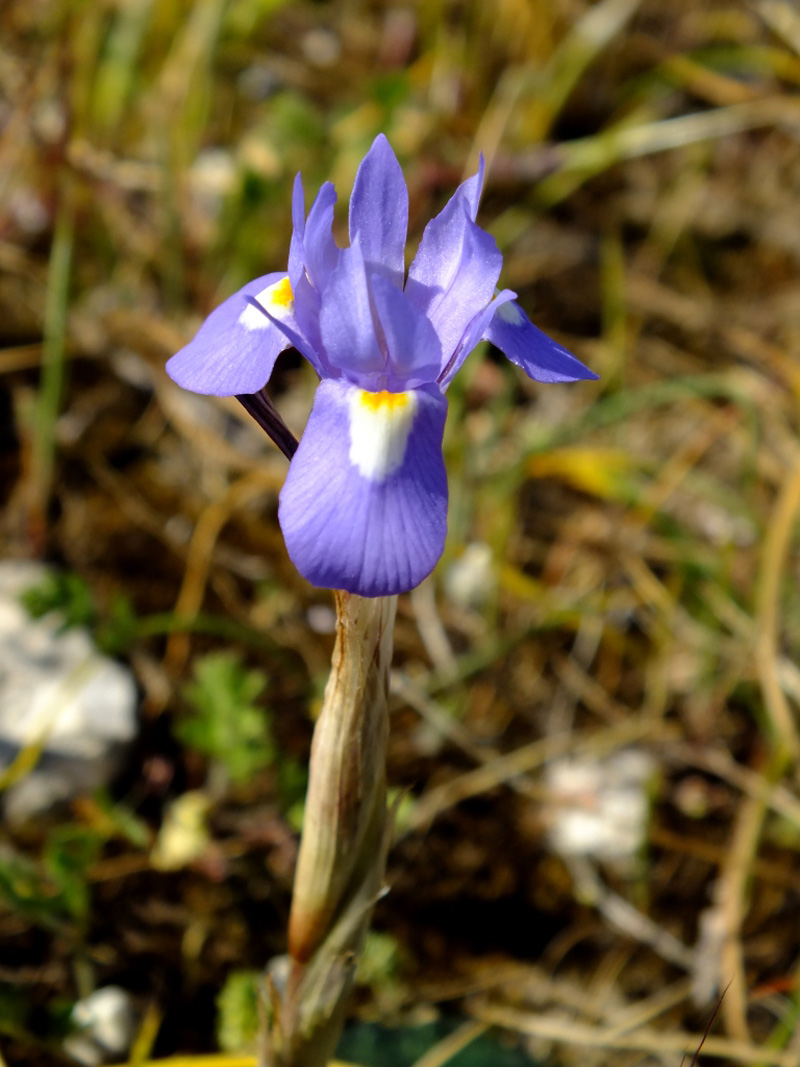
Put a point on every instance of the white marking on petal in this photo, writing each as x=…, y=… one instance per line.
x=277, y=299
x=511, y=313
x=379, y=427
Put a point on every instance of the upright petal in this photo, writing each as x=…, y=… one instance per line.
x=474, y=333
x=346, y=321
x=454, y=273
x=235, y=349
x=415, y=354
x=524, y=344
x=320, y=252
x=306, y=308
x=364, y=506
x=379, y=211
x=298, y=232
x=472, y=188
x=435, y=260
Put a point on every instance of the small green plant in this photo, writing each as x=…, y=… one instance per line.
x=225, y=723
x=68, y=854
x=55, y=893
x=237, y=1012
x=70, y=595
x=66, y=593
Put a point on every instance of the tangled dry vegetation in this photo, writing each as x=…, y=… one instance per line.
x=615, y=626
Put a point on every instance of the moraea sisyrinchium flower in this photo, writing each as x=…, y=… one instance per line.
x=364, y=506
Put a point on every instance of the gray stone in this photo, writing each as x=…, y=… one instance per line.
x=57, y=694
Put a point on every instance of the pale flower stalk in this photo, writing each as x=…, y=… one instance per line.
x=346, y=833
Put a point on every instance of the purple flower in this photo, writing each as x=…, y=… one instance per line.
x=364, y=507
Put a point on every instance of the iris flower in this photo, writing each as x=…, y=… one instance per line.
x=364, y=506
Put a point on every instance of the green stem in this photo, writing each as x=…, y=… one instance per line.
x=51, y=382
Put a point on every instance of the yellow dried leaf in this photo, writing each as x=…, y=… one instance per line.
x=602, y=472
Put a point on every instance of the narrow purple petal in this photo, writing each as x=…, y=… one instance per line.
x=437, y=256
x=320, y=253
x=454, y=273
x=379, y=211
x=235, y=349
x=474, y=333
x=298, y=232
x=364, y=506
x=346, y=320
x=472, y=188
x=306, y=326
x=415, y=354
x=524, y=344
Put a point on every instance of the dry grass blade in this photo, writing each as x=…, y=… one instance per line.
x=201, y=549
x=214, y=1060
x=444, y=1050
x=503, y=769
x=732, y=902
x=588, y=156
x=568, y=1032
x=775, y=550
x=783, y=18
x=549, y=89
x=631, y=142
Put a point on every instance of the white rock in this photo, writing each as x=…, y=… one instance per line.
x=105, y=1022
x=58, y=692
x=599, y=807
x=469, y=581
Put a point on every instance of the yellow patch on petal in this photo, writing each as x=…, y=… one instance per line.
x=279, y=295
x=380, y=424
x=383, y=399
x=276, y=299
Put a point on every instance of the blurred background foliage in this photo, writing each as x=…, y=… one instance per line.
x=621, y=574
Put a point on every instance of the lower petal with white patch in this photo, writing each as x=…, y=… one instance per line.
x=364, y=506
x=380, y=425
x=235, y=349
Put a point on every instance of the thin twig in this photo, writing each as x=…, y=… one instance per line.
x=443, y=1051
x=201, y=550
x=569, y=1032
x=776, y=546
